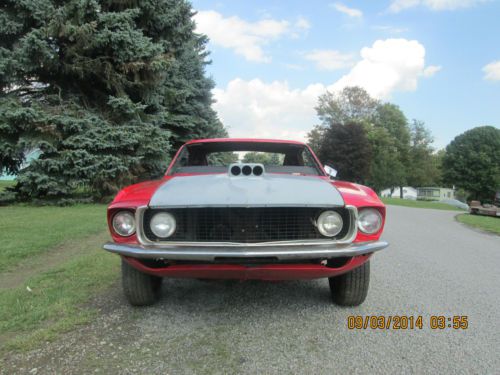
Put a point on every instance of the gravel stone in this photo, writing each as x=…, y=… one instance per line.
x=434, y=266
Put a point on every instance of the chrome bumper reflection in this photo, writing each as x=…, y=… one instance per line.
x=212, y=253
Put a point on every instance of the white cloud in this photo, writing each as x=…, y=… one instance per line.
x=399, y=5
x=246, y=38
x=300, y=28
x=436, y=5
x=387, y=66
x=351, y=12
x=302, y=23
x=275, y=110
x=492, y=71
x=431, y=70
x=329, y=59
x=269, y=110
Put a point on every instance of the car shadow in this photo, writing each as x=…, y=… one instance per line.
x=228, y=295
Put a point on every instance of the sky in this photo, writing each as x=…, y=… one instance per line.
x=438, y=60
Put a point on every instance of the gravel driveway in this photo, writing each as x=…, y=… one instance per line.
x=434, y=266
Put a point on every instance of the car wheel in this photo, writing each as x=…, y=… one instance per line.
x=139, y=288
x=351, y=288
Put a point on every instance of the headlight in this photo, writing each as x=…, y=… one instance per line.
x=124, y=223
x=163, y=225
x=329, y=223
x=369, y=221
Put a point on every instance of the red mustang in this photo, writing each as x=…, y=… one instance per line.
x=246, y=209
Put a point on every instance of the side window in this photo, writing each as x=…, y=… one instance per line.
x=182, y=161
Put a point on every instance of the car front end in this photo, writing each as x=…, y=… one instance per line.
x=246, y=221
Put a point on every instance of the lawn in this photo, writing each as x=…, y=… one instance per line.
x=419, y=204
x=487, y=223
x=54, y=298
x=28, y=231
x=4, y=184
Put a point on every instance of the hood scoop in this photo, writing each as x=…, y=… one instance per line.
x=246, y=169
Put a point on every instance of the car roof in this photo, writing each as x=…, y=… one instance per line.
x=250, y=140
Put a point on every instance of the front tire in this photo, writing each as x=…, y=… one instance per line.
x=139, y=288
x=351, y=288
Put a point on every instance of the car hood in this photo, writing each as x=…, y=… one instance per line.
x=267, y=190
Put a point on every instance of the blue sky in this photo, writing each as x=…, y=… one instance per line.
x=439, y=60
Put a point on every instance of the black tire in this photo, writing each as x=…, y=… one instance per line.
x=351, y=288
x=139, y=288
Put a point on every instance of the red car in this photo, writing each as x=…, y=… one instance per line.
x=246, y=209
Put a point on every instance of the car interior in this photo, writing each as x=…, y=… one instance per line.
x=215, y=157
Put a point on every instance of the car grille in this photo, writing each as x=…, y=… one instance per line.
x=245, y=225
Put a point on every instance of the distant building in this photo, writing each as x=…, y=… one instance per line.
x=408, y=193
x=435, y=193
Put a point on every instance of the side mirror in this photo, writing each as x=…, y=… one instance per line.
x=330, y=171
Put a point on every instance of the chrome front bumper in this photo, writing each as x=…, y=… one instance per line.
x=250, y=251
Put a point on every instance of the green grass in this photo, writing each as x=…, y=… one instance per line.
x=419, y=204
x=55, y=298
x=4, y=184
x=55, y=302
x=28, y=231
x=487, y=223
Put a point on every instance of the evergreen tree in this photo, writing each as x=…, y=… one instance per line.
x=105, y=89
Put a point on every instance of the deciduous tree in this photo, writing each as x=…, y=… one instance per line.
x=389, y=117
x=424, y=164
x=397, y=153
x=263, y=158
x=472, y=162
x=352, y=104
x=386, y=167
x=347, y=149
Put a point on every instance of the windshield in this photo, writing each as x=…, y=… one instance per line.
x=215, y=157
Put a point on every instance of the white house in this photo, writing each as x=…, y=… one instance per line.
x=408, y=193
x=435, y=193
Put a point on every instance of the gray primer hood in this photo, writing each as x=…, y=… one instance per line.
x=245, y=191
